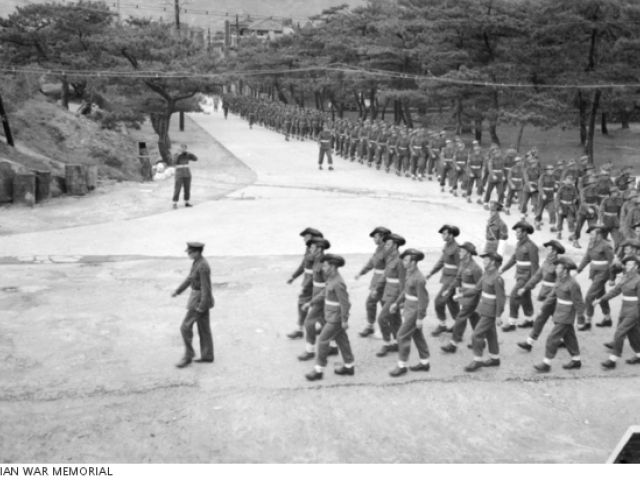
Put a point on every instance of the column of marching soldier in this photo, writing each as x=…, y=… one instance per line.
x=571, y=191
x=471, y=294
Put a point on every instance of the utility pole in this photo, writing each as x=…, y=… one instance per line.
x=177, y=17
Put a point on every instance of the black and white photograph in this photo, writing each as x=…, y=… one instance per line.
x=330, y=232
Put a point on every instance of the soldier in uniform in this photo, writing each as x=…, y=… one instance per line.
x=588, y=211
x=600, y=256
x=567, y=199
x=376, y=287
x=315, y=306
x=547, y=275
x=496, y=228
x=393, y=280
x=306, y=268
x=336, y=313
x=629, y=317
x=404, y=160
x=568, y=304
x=546, y=189
x=610, y=210
x=624, y=179
x=495, y=170
x=530, y=190
x=491, y=305
x=467, y=277
x=515, y=183
x=447, y=156
x=475, y=164
x=414, y=300
x=198, y=306
x=526, y=260
x=183, y=175
x=461, y=157
x=324, y=141
x=448, y=263
x=392, y=149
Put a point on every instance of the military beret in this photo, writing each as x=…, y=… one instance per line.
x=631, y=242
x=311, y=231
x=598, y=226
x=524, y=226
x=381, y=230
x=452, y=229
x=416, y=255
x=496, y=257
x=331, y=259
x=319, y=242
x=556, y=245
x=566, y=262
x=195, y=246
x=469, y=247
x=632, y=258
x=395, y=238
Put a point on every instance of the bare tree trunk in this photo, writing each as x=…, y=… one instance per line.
x=592, y=125
x=458, y=115
x=64, y=95
x=281, y=96
x=493, y=118
x=520, y=134
x=5, y=124
x=477, y=122
x=582, y=112
x=160, y=123
x=372, y=103
x=360, y=113
x=407, y=113
x=603, y=124
x=384, y=109
x=624, y=115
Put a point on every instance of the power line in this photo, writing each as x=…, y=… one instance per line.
x=335, y=68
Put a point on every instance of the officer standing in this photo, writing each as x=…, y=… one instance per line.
x=336, y=314
x=325, y=138
x=376, y=287
x=569, y=304
x=415, y=301
x=183, y=175
x=198, y=306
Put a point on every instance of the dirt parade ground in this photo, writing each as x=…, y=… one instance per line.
x=89, y=333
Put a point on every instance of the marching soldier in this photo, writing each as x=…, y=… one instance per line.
x=448, y=263
x=415, y=301
x=336, y=313
x=467, y=277
x=568, y=305
x=457, y=175
x=547, y=275
x=393, y=280
x=447, y=157
x=610, y=209
x=495, y=170
x=629, y=320
x=475, y=165
x=526, y=260
x=490, y=307
x=546, y=189
x=376, y=287
x=315, y=306
x=198, y=306
x=496, y=229
x=306, y=267
x=567, y=200
x=599, y=256
x=530, y=190
x=588, y=211
x=515, y=183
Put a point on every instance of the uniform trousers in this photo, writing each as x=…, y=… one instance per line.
x=325, y=151
x=548, y=203
x=204, y=333
x=315, y=314
x=302, y=314
x=408, y=332
x=526, y=196
x=559, y=333
x=567, y=212
x=333, y=331
x=498, y=185
x=178, y=183
x=472, y=178
x=546, y=312
x=467, y=311
x=511, y=193
x=597, y=289
x=628, y=327
x=442, y=301
x=371, y=304
x=485, y=329
x=516, y=301
x=447, y=167
x=388, y=322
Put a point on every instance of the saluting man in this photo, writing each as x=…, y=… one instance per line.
x=183, y=175
x=336, y=313
x=198, y=306
x=468, y=275
x=491, y=306
x=415, y=301
x=600, y=257
x=569, y=304
x=527, y=262
x=448, y=263
x=629, y=320
x=306, y=267
x=376, y=287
